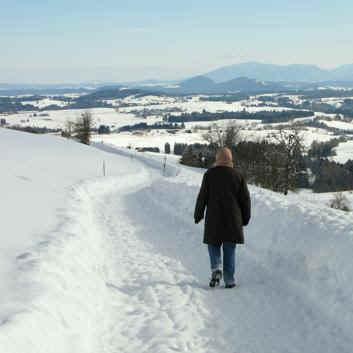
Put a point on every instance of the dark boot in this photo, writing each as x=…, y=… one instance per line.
x=216, y=278
x=230, y=285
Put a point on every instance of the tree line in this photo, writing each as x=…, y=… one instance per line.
x=269, y=117
x=145, y=126
x=280, y=165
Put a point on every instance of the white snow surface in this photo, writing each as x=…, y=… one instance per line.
x=154, y=138
x=93, y=263
x=58, y=118
x=344, y=152
x=45, y=102
x=339, y=125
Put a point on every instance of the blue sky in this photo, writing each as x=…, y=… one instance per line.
x=73, y=41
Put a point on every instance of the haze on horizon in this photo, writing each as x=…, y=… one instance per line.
x=82, y=41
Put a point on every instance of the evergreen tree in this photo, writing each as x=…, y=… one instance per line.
x=103, y=129
x=179, y=148
x=189, y=158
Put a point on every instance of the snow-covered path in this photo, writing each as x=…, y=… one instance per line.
x=158, y=284
x=125, y=270
x=268, y=309
x=154, y=304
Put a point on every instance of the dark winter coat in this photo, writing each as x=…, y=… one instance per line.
x=225, y=196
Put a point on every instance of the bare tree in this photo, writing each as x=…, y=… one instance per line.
x=226, y=137
x=68, y=128
x=340, y=202
x=83, y=127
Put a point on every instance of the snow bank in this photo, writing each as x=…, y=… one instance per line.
x=297, y=253
x=116, y=263
x=38, y=173
x=309, y=246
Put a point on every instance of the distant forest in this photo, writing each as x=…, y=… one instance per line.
x=269, y=117
x=262, y=164
x=145, y=126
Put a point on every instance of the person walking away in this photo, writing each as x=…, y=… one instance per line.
x=225, y=196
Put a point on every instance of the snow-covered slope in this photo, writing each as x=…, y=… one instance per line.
x=39, y=175
x=115, y=264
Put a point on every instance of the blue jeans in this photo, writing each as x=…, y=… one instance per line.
x=228, y=260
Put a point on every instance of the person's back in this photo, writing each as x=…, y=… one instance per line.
x=227, y=206
x=225, y=196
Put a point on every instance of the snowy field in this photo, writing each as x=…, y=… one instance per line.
x=122, y=116
x=58, y=118
x=344, y=152
x=336, y=102
x=341, y=125
x=249, y=132
x=38, y=175
x=42, y=103
x=196, y=104
x=155, y=138
x=115, y=263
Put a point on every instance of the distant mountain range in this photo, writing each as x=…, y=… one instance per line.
x=280, y=73
x=206, y=85
x=245, y=77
